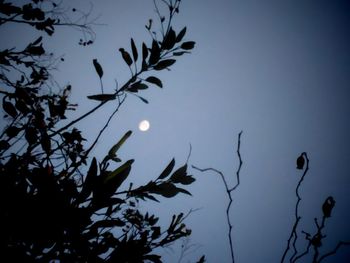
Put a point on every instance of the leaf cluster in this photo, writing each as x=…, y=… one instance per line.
x=58, y=202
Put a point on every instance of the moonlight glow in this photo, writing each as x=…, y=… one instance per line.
x=144, y=125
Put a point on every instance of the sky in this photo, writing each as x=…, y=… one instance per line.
x=276, y=70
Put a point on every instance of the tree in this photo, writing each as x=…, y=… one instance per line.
x=57, y=201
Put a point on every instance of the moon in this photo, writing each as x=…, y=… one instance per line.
x=144, y=125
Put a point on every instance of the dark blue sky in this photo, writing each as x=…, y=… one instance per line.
x=278, y=70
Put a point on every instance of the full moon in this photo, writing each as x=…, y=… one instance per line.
x=144, y=125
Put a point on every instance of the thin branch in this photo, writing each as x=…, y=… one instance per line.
x=334, y=251
x=293, y=233
x=228, y=191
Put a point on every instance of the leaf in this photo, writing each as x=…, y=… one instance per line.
x=180, y=176
x=155, y=81
x=169, y=40
x=144, y=51
x=9, y=109
x=135, y=87
x=167, y=190
x=180, y=53
x=37, y=41
x=98, y=68
x=164, y=64
x=45, y=143
x=112, y=176
x=180, y=36
x=89, y=181
x=179, y=173
x=183, y=191
x=102, y=97
x=126, y=56
x=112, y=152
x=155, y=53
x=188, y=45
x=134, y=50
x=167, y=170
x=201, y=260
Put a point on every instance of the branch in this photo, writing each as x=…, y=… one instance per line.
x=296, y=214
x=334, y=251
x=228, y=191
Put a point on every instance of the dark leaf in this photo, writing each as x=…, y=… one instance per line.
x=188, y=45
x=144, y=51
x=102, y=97
x=113, y=175
x=143, y=99
x=31, y=135
x=35, y=50
x=155, y=53
x=112, y=152
x=180, y=53
x=180, y=36
x=183, y=191
x=135, y=87
x=155, y=81
x=134, y=50
x=126, y=56
x=167, y=170
x=12, y=131
x=37, y=41
x=167, y=190
x=98, y=67
x=179, y=174
x=8, y=9
x=45, y=143
x=9, y=109
x=164, y=64
x=89, y=181
x=201, y=260
x=169, y=40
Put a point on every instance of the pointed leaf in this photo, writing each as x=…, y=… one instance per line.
x=155, y=81
x=167, y=170
x=89, y=181
x=164, y=64
x=134, y=50
x=135, y=87
x=144, y=51
x=178, y=174
x=188, y=45
x=155, y=53
x=180, y=53
x=113, y=175
x=169, y=40
x=9, y=109
x=180, y=36
x=98, y=68
x=183, y=191
x=116, y=147
x=102, y=97
x=126, y=56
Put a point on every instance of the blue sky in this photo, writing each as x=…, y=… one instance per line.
x=278, y=70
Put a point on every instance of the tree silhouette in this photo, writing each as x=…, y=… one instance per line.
x=57, y=201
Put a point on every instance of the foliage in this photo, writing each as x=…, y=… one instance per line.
x=57, y=201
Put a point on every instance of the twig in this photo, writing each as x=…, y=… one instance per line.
x=334, y=251
x=293, y=233
x=228, y=191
